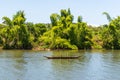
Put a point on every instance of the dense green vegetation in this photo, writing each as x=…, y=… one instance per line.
x=61, y=33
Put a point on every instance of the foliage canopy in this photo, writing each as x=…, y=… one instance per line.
x=61, y=33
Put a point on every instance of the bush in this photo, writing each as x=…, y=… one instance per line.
x=62, y=44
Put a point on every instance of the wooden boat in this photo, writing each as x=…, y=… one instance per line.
x=61, y=57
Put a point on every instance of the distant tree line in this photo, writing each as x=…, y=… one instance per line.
x=61, y=33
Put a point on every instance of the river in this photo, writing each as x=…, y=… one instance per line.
x=32, y=65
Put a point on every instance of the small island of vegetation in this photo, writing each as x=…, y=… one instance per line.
x=61, y=33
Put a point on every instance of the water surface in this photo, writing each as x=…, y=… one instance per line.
x=32, y=65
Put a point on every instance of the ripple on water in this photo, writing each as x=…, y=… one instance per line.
x=30, y=65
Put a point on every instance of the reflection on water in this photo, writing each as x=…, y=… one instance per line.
x=32, y=65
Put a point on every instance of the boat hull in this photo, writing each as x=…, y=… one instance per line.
x=62, y=57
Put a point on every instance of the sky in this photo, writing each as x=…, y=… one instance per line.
x=39, y=11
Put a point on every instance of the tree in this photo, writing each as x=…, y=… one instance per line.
x=19, y=18
x=111, y=35
x=108, y=16
x=7, y=21
x=54, y=19
x=79, y=19
x=15, y=34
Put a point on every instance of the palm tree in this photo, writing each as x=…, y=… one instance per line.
x=19, y=18
x=16, y=33
x=108, y=16
x=7, y=21
x=79, y=19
